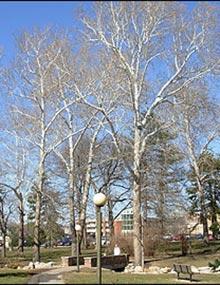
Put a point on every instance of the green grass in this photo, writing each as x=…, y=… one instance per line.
x=196, y=260
x=198, y=247
x=15, y=259
x=9, y=276
x=127, y=278
x=165, y=257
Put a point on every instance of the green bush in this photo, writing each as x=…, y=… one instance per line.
x=215, y=264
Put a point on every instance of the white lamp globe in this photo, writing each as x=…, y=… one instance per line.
x=99, y=199
x=78, y=228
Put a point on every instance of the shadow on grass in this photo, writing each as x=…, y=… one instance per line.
x=16, y=274
x=188, y=279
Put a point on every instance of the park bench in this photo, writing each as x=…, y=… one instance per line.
x=183, y=268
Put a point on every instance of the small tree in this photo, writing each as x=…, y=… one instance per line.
x=5, y=212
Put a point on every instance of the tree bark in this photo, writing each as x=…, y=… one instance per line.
x=37, y=228
x=72, y=214
x=110, y=220
x=4, y=244
x=21, y=224
x=137, y=230
x=203, y=213
x=82, y=216
x=39, y=192
x=71, y=190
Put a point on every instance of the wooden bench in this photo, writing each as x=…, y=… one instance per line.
x=183, y=268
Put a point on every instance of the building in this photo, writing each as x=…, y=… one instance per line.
x=124, y=223
x=91, y=228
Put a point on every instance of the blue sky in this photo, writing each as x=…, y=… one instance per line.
x=24, y=15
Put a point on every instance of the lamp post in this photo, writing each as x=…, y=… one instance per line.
x=78, y=229
x=99, y=200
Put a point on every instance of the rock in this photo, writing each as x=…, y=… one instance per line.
x=31, y=265
x=165, y=270
x=39, y=265
x=154, y=269
x=194, y=269
x=129, y=268
x=205, y=269
x=138, y=269
x=51, y=264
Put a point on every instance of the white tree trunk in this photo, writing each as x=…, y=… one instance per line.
x=137, y=230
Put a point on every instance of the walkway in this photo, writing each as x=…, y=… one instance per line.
x=53, y=276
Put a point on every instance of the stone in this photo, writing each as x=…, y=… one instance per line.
x=154, y=269
x=205, y=269
x=30, y=265
x=138, y=269
x=165, y=270
x=129, y=268
x=194, y=269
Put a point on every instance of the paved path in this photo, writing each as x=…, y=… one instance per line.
x=53, y=276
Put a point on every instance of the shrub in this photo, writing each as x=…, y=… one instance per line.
x=125, y=243
x=215, y=264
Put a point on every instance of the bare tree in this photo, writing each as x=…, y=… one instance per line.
x=39, y=106
x=15, y=166
x=199, y=127
x=110, y=177
x=142, y=36
x=5, y=212
x=74, y=123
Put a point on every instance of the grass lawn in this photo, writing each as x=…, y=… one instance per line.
x=127, y=278
x=15, y=259
x=195, y=260
x=10, y=276
x=165, y=257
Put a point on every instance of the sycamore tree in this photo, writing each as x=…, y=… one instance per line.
x=14, y=165
x=163, y=175
x=209, y=166
x=110, y=177
x=6, y=209
x=198, y=125
x=34, y=84
x=157, y=49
